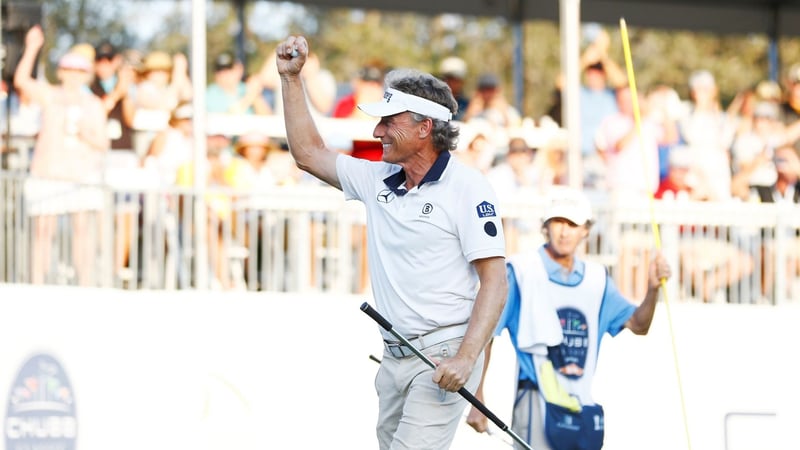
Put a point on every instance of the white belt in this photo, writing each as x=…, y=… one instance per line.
x=437, y=336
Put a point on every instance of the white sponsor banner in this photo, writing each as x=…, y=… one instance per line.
x=210, y=370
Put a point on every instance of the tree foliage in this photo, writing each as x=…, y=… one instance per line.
x=346, y=39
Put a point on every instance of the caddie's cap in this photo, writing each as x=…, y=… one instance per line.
x=568, y=203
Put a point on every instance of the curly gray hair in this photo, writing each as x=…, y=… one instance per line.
x=445, y=134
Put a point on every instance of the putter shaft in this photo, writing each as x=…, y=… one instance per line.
x=463, y=391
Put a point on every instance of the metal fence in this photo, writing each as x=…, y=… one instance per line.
x=308, y=238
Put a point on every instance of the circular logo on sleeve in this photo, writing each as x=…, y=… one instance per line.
x=490, y=228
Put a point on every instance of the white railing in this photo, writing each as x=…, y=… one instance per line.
x=308, y=238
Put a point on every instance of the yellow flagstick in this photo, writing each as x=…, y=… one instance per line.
x=656, y=234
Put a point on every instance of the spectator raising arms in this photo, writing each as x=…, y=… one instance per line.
x=228, y=94
x=68, y=155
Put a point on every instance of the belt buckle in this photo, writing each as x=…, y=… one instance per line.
x=396, y=350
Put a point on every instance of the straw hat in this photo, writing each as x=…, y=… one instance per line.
x=184, y=111
x=254, y=139
x=157, y=60
x=84, y=49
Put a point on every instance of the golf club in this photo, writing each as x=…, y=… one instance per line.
x=370, y=311
x=490, y=431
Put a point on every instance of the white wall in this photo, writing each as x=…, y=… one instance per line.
x=166, y=370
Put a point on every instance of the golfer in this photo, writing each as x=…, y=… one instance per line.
x=436, y=248
x=559, y=307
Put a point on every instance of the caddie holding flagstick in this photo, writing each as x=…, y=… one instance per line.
x=435, y=246
x=558, y=310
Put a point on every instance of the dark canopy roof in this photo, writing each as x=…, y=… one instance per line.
x=772, y=17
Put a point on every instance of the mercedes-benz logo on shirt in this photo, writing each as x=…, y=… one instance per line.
x=385, y=196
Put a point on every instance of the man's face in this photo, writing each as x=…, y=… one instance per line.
x=595, y=78
x=456, y=84
x=106, y=66
x=399, y=135
x=564, y=236
x=787, y=163
x=228, y=76
x=519, y=157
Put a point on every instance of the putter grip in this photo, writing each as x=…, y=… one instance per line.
x=482, y=408
x=376, y=316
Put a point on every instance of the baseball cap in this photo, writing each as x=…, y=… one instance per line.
x=104, y=51
x=488, y=81
x=157, y=60
x=224, y=61
x=254, y=139
x=701, y=78
x=568, y=203
x=596, y=66
x=183, y=112
x=395, y=102
x=371, y=73
x=518, y=145
x=453, y=67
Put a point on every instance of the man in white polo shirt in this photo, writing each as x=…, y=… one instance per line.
x=435, y=245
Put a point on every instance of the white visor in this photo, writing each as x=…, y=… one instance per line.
x=395, y=102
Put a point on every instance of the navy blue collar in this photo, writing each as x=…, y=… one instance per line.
x=394, y=181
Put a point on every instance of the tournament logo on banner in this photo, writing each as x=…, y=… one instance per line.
x=41, y=408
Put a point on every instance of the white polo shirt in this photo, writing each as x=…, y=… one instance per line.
x=421, y=242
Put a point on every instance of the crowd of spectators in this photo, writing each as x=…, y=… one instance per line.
x=126, y=117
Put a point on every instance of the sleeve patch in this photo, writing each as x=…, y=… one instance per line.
x=486, y=209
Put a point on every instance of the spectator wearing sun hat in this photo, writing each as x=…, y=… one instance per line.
x=67, y=160
x=72, y=139
x=164, y=84
x=85, y=50
x=173, y=146
x=248, y=170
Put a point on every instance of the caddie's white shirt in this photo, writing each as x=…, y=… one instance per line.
x=421, y=242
